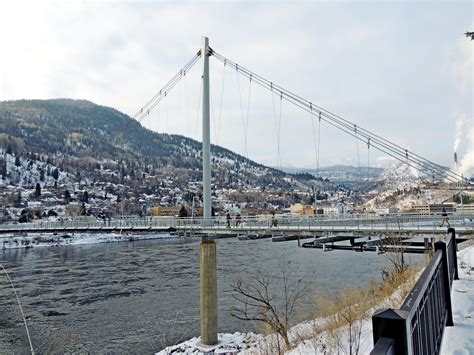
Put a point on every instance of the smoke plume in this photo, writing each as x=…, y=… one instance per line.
x=466, y=164
x=457, y=140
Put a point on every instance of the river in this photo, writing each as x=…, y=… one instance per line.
x=138, y=297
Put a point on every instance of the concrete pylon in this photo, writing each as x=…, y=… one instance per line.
x=208, y=259
x=208, y=270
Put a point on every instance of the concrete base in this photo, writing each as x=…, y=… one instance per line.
x=208, y=348
x=227, y=344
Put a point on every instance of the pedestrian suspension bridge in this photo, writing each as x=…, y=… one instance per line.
x=211, y=228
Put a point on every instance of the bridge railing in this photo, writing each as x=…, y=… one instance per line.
x=417, y=327
x=282, y=222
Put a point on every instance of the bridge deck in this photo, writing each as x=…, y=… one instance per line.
x=359, y=225
x=356, y=231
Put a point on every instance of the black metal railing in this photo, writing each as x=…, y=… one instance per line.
x=417, y=327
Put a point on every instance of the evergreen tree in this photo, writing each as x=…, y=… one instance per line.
x=82, y=211
x=183, y=212
x=17, y=161
x=3, y=168
x=67, y=197
x=85, y=197
x=38, y=190
x=55, y=174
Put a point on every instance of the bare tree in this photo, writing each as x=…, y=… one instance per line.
x=343, y=317
x=271, y=299
x=171, y=334
x=395, y=256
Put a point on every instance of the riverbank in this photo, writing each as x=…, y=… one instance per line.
x=26, y=241
x=314, y=336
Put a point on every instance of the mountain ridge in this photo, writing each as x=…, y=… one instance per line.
x=84, y=130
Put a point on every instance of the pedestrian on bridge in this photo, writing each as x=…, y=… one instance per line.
x=238, y=220
x=445, y=218
x=228, y=218
x=273, y=222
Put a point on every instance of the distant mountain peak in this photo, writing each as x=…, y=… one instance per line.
x=398, y=174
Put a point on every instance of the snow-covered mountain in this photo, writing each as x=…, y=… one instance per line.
x=399, y=175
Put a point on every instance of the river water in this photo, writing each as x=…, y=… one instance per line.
x=138, y=297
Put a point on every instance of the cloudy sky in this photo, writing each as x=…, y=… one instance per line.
x=402, y=69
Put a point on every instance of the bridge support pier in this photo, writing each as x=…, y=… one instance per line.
x=208, y=270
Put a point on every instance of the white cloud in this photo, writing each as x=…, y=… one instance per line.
x=396, y=68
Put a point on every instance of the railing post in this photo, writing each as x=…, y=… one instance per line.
x=384, y=346
x=447, y=292
x=393, y=324
x=452, y=231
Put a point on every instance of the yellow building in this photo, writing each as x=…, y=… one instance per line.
x=165, y=211
x=309, y=211
x=297, y=208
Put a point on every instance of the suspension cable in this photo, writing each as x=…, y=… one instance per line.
x=166, y=112
x=247, y=118
x=358, y=155
x=279, y=132
x=319, y=144
x=179, y=106
x=276, y=129
x=158, y=97
x=314, y=139
x=198, y=113
x=241, y=111
x=213, y=116
x=220, y=109
x=368, y=161
x=381, y=144
x=186, y=102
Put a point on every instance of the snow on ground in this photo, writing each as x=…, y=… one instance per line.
x=38, y=240
x=456, y=340
x=459, y=339
x=227, y=344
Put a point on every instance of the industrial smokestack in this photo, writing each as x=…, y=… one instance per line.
x=455, y=157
